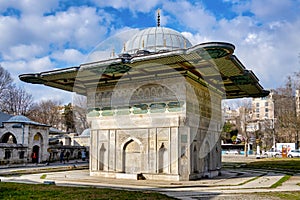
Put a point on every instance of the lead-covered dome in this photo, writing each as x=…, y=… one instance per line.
x=156, y=39
x=86, y=132
x=19, y=118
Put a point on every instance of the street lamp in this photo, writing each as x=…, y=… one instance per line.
x=273, y=130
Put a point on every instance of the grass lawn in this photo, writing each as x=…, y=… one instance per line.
x=276, y=163
x=281, y=195
x=18, y=191
x=41, y=191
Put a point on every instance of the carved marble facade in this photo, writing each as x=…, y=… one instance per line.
x=163, y=129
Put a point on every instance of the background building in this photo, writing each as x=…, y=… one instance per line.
x=21, y=138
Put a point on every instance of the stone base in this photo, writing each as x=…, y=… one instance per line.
x=140, y=176
x=211, y=174
x=196, y=176
x=126, y=176
x=165, y=177
x=149, y=176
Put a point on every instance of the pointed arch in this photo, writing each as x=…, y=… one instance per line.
x=8, y=138
x=38, y=147
x=195, y=159
x=162, y=159
x=35, y=155
x=131, y=155
x=38, y=137
x=102, y=151
x=207, y=158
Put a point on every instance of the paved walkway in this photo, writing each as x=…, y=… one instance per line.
x=35, y=168
x=232, y=184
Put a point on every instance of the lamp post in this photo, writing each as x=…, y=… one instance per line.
x=273, y=131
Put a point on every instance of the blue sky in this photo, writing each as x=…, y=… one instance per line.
x=45, y=35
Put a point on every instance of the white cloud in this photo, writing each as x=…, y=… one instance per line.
x=40, y=64
x=274, y=10
x=79, y=27
x=268, y=10
x=99, y=55
x=191, y=15
x=17, y=67
x=41, y=92
x=70, y=56
x=11, y=27
x=23, y=52
x=133, y=5
x=30, y=38
x=29, y=7
x=196, y=38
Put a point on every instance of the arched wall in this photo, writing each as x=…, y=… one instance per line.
x=8, y=138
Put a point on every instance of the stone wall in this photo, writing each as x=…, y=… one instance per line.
x=20, y=141
x=12, y=154
x=168, y=128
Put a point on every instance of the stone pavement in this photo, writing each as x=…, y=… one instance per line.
x=35, y=168
x=231, y=184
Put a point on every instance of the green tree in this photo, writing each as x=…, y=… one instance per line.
x=68, y=118
x=229, y=130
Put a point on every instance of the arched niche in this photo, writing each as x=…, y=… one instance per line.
x=163, y=159
x=131, y=159
x=38, y=137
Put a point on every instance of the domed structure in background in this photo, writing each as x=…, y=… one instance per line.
x=19, y=118
x=86, y=132
x=22, y=140
x=156, y=39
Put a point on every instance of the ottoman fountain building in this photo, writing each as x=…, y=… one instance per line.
x=155, y=110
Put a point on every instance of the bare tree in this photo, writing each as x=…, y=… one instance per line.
x=5, y=81
x=46, y=112
x=80, y=112
x=287, y=120
x=15, y=100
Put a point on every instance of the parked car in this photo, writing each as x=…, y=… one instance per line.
x=272, y=153
x=232, y=152
x=294, y=153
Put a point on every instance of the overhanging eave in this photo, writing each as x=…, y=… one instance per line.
x=214, y=63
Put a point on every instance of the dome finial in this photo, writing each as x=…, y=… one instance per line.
x=158, y=17
x=113, y=53
x=124, y=47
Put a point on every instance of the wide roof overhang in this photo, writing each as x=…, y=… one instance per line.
x=212, y=64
